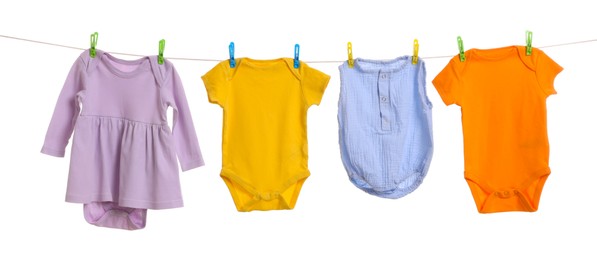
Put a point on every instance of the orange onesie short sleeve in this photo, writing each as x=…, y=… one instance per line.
x=546, y=71
x=447, y=82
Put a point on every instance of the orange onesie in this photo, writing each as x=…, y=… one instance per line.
x=502, y=94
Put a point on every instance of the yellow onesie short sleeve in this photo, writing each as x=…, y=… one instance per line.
x=264, y=136
x=216, y=83
x=313, y=84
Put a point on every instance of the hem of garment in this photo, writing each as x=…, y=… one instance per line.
x=131, y=226
x=489, y=189
x=129, y=203
x=422, y=174
x=444, y=95
x=52, y=152
x=395, y=192
x=113, y=218
x=249, y=188
x=192, y=165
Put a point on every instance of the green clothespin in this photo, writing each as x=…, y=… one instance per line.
x=529, y=43
x=93, y=37
x=161, y=52
x=461, y=49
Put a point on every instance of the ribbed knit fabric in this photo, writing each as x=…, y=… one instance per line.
x=385, y=125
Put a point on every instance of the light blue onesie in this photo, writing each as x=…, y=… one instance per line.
x=385, y=129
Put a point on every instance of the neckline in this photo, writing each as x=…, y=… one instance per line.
x=382, y=65
x=262, y=66
x=263, y=63
x=496, y=53
x=143, y=64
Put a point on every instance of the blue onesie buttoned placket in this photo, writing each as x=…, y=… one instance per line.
x=384, y=101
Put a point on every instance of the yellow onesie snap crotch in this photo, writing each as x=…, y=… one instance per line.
x=247, y=198
x=264, y=137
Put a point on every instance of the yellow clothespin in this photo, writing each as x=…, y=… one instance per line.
x=350, y=60
x=415, y=51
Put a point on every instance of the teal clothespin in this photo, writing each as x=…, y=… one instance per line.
x=296, y=56
x=93, y=37
x=161, y=51
x=461, y=49
x=231, y=51
x=529, y=43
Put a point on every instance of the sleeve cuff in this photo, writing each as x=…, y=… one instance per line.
x=323, y=88
x=192, y=165
x=445, y=96
x=52, y=152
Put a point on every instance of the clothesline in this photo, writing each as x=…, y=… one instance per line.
x=215, y=60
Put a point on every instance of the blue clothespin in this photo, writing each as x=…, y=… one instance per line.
x=231, y=50
x=296, y=56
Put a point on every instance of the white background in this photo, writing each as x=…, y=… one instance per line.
x=332, y=218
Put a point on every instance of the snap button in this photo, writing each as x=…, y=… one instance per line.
x=384, y=99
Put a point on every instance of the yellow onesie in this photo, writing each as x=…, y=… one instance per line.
x=264, y=137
